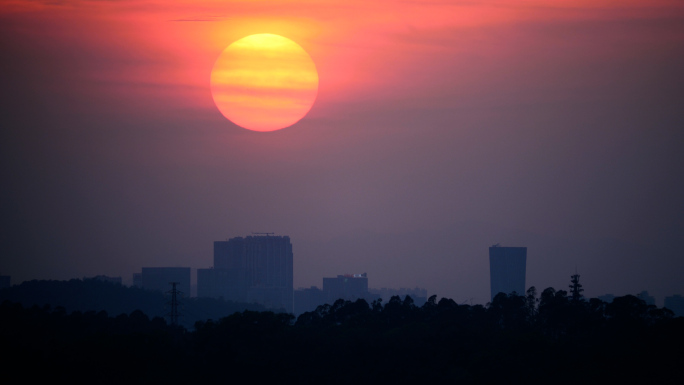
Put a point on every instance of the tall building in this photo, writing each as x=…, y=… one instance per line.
x=507, y=269
x=159, y=278
x=251, y=269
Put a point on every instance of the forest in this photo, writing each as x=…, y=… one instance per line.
x=549, y=337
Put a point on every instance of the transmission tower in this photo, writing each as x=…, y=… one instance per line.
x=173, y=314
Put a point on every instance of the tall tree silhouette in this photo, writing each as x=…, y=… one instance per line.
x=575, y=288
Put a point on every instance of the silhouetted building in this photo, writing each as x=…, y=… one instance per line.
x=507, y=269
x=4, y=281
x=349, y=287
x=676, y=304
x=159, y=278
x=255, y=269
x=308, y=299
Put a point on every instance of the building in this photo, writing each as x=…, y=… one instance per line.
x=349, y=287
x=160, y=278
x=507, y=269
x=221, y=283
x=308, y=299
x=253, y=269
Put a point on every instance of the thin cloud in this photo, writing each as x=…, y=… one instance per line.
x=204, y=18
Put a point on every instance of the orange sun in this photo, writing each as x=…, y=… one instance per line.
x=264, y=82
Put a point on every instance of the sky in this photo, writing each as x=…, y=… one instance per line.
x=439, y=129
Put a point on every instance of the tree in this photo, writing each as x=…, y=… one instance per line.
x=509, y=311
x=531, y=304
x=553, y=311
x=575, y=288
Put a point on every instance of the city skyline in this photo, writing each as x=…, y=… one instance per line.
x=507, y=271
x=437, y=129
x=194, y=272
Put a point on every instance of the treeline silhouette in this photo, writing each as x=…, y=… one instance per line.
x=550, y=338
x=95, y=295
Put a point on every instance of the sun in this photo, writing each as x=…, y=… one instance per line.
x=264, y=82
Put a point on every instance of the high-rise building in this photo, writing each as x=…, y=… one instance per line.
x=160, y=278
x=507, y=269
x=251, y=269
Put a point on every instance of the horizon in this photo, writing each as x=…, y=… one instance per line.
x=128, y=281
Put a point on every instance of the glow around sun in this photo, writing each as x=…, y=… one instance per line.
x=264, y=82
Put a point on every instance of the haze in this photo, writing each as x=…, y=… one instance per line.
x=438, y=130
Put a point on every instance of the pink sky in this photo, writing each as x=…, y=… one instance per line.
x=379, y=52
x=548, y=123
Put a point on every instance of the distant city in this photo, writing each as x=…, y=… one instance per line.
x=259, y=269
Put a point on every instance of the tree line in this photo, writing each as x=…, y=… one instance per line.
x=94, y=295
x=551, y=337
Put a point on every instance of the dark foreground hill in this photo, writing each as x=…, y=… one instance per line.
x=95, y=295
x=514, y=340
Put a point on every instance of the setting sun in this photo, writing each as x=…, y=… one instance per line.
x=264, y=82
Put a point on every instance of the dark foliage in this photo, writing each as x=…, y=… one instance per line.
x=513, y=340
x=95, y=295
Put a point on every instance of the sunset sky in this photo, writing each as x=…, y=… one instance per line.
x=439, y=129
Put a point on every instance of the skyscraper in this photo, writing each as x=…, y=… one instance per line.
x=251, y=269
x=507, y=269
